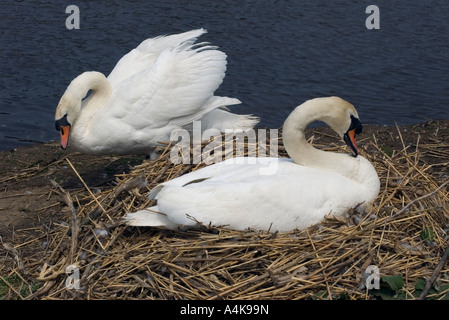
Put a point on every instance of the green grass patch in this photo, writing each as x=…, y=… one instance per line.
x=15, y=288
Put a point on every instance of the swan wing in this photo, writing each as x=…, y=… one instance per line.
x=175, y=90
x=144, y=55
x=239, y=196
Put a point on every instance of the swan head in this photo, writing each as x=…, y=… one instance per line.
x=355, y=127
x=66, y=113
x=342, y=117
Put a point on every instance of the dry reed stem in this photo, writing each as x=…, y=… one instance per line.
x=325, y=261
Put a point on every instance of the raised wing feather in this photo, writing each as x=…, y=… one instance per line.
x=176, y=89
x=146, y=54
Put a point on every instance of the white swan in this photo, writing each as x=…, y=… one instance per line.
x=164, y=84
x=301, y=191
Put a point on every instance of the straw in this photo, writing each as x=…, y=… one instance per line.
x=405, y=233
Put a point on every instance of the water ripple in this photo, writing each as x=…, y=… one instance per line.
x=280, y=53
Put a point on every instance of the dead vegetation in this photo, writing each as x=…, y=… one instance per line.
x=405, y=235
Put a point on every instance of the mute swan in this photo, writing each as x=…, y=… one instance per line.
x=300, y=193
x=164, y=84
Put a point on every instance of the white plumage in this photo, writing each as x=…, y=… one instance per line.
x=164, y=84
x=299, y=192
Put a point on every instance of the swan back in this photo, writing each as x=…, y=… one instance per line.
x=236, y=196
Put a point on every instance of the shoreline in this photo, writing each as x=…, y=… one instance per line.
x=371, y=127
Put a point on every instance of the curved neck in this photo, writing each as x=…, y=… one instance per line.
x=79, y=88
x=357, y=169
x=91, y=80
x=304, y=153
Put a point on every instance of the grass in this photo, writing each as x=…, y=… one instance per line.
x=15, y=287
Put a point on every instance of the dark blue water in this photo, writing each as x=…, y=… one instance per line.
x=280, y=53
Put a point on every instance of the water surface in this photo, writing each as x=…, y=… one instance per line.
x=280, y=53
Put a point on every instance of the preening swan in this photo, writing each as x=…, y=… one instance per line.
x=299, y=193
x=164, y=84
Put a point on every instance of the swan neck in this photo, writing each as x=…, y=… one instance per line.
x=357, y=169
x=302, y=152
x=294, y=138
x=92, y=80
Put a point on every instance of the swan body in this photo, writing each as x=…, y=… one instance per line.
x=164, y=84
x=241, y=193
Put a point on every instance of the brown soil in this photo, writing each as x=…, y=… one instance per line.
x=26, y=197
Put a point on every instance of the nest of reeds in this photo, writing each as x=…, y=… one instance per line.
x=404, y=239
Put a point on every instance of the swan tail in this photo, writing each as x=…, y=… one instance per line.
x=150, y=218
x=222, y=119
x=211, y=104
x=217, y=102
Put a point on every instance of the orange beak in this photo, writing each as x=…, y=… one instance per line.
x=352, y=137
x=64, y=131
x=349, y=138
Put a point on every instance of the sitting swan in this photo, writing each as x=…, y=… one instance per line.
x=165, y=83
x=299, y=193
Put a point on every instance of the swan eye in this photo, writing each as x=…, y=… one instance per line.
x=349, y=136
x=355, y=124
x=61, y=122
